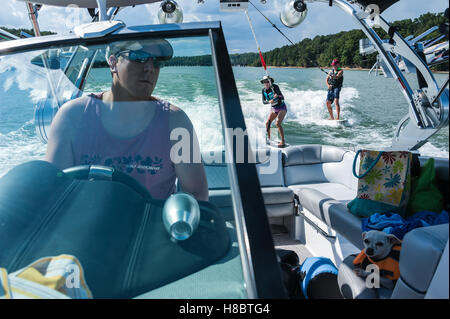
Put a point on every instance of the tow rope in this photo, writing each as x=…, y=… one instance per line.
x=257, y=44
x=276, y=28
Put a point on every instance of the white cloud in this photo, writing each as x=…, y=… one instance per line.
x=13, y=14
x=321, y=19
x=60, y=20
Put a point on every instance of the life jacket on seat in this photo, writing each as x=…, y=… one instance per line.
x=388, y=266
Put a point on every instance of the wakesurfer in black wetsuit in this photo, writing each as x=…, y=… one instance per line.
x=272, y=95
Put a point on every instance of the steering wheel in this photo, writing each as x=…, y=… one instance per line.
x=106, y=173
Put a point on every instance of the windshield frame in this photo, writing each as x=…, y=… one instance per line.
x=261, y=271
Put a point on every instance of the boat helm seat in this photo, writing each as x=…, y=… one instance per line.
x=116, y=233
x=422, y=249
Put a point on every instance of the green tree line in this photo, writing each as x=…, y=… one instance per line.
x=17, y=32
x=321, y=50
x=201, y=60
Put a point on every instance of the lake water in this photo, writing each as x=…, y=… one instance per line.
x=373, y=106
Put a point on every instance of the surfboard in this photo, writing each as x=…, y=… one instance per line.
x=275, y=139
x=341, y=122
x=273, y=143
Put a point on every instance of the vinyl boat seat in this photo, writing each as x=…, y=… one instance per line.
x=117, y=234
x=278, y=199
x=321, y=178
x=421, y=253
x=334, y=213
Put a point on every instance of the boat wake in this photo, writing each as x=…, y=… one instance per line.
x=20, y=146
x=309, y=107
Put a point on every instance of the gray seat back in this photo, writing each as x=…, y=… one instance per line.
x=421, y=253
x=268, y=165
x=305, y=164
x=270, y=168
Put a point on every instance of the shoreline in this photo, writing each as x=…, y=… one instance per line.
x=343, y=68
x=315, y=67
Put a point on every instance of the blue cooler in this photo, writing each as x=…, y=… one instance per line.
x=319, y=279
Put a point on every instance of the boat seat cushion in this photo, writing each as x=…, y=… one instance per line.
x=312, y=164
x=421, y=252
x=279, y=201
x=334, y=190
x=268, y=165
x=334, y=213
x=277, y=195
x=321, y=176
x=312, y=154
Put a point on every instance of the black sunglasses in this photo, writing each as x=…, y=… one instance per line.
x=141, y=57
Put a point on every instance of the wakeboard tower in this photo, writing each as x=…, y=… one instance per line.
x=428, y=105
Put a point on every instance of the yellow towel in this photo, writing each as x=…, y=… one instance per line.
x=50, y=277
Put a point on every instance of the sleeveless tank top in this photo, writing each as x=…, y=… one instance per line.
x=145, y=157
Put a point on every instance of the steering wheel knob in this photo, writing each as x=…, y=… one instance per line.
x=181, y=215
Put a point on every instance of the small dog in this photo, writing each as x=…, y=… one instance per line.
x=382, y=250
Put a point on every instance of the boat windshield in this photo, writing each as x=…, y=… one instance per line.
x=149, y=109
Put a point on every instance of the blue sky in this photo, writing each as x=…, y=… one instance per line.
x=321, y=19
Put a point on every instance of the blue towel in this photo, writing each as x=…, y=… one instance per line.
x=396, y=225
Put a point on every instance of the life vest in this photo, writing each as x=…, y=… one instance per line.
x=388, y=266
x=269, y=96
x=335, y=83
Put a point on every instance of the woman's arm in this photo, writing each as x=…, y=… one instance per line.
x=327, y=81
x=277, y=90
x=191, y=176
x=59, y=147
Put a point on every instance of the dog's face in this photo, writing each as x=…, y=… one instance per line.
x=378, y=244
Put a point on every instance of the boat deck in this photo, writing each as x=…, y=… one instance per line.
x=282, y=240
